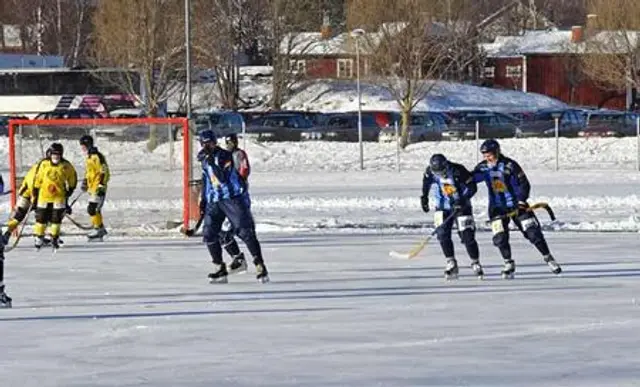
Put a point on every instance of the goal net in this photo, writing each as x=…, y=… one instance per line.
x=151, y=189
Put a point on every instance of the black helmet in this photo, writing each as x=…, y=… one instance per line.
x=231, y=138
x=438, y=163
x=86, y=140
x=490, y=146
x=56, y=149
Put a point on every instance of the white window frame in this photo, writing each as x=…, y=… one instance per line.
x=348, y=68
x=298, y=66
x=513, y=71
x=489, y=72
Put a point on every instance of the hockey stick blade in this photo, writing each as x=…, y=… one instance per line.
x=192, y=231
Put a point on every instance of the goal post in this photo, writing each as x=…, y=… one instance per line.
x=150, y=162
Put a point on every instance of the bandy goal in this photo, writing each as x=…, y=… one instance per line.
x=151, y=162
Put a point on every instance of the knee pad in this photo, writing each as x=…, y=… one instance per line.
x=23, y=203
x=92, y=208
x=500, y=233
x=467, y=236
x=443, y=233
x=466, y=228
x=42, y=215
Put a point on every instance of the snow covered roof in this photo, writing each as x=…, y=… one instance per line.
x=531, y=42
x=559, y=42
x=312, y=43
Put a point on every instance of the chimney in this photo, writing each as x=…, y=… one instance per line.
x=325, y=30
x=576, y=34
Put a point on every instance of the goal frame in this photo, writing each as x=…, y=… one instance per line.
x=178, y=121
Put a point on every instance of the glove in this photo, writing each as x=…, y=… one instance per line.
x=34, y=198
x=67, y=209
x=101, y=190
x=424, y=201
x=84, y=186
x=523, y=207
x=457, y=205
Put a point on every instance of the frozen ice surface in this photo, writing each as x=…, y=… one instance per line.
x=338, y=312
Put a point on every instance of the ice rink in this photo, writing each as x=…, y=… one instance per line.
x=338, y=312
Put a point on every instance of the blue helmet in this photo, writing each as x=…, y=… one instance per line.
x=438, y=163
x=207, y=136
x=490, y=146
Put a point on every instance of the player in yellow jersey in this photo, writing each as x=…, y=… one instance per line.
x=24, y=200
x=54, y=182
x=95, y=183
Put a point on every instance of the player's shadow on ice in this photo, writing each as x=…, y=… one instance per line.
x=216, y=298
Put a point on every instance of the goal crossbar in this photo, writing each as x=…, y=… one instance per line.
x=14, y=124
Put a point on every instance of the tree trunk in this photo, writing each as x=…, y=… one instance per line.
x=406, y=120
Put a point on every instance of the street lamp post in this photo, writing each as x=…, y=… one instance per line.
x=357, y=33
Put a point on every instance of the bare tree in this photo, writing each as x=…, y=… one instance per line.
x=148, y=38
x=613, y=44
x=410, y=49
x=286, y=27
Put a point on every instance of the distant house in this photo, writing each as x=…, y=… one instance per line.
x=323, y=55
x=546, y=62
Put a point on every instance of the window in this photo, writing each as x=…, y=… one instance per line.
x=490, y=72
x=345, y=68
x=299, y=66
x=514, y=71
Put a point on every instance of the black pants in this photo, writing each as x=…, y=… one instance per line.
x=239, y=214
x=525, y=221
x=466, y=232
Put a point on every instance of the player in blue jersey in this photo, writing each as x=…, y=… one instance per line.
x=454, y=188
x=224, y=197
x=508, y=191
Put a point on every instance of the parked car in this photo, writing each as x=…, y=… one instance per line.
x=491, y=125
x=609, y=123
x=570, y=122
x=62, y=130
x=222, y=122
x=4, y=123
x=344, y=127
x=425, y=126
x=278, y=127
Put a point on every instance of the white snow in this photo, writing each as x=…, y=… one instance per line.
x=341, y=95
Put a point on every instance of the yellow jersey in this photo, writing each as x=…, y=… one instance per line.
x=55, y=182
x=97, y=171
x=29, y=180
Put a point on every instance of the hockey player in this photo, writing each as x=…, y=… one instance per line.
x=24, y=200
x=95, y=184
x=223, y=197
x=54, y=183
x=454, y=189
x=509, y=188
x=227, y=239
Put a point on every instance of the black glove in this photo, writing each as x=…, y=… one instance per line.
x=34, y=198
x=67, y=209
x=84, y=186
x=523, y=207
x=458, y=205
x=424, y=201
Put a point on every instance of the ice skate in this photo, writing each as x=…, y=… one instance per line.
x=219, y=276
x=451, y=269
x=47, y=241
x=553, y=265
x=477, y=269
x=39, y=242
x=262, y=275
x=55, y=243
x=509, y=269
x=238, y=265
x=5, y=300
x=97, y=234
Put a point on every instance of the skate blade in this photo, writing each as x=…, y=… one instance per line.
x=240, y=270
x=450, y=277
x=222, y=280
x=263, y=280
x=5, y=306
x=508, y=276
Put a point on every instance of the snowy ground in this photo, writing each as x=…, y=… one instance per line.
x=338, y=312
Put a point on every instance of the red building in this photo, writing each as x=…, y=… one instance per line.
x=323, y=55
x=546, y=62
